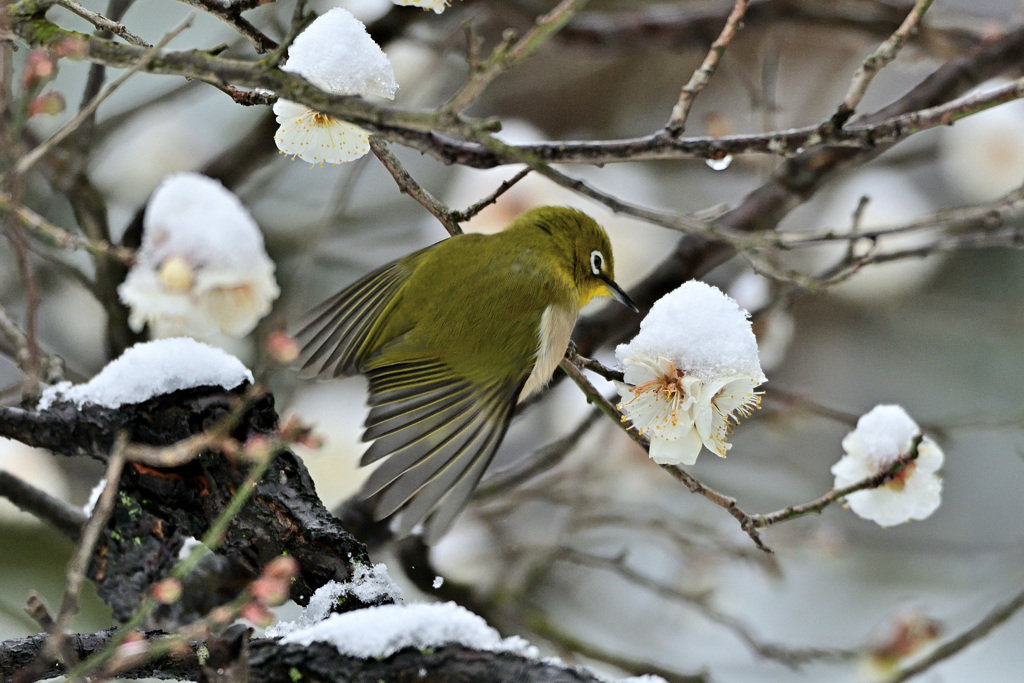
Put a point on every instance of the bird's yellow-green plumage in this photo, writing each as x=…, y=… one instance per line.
x=451, y=338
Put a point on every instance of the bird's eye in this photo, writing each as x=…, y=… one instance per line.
x=596, y=262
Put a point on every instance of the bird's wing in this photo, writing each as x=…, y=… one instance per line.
x=333, y=335
x=440, y=431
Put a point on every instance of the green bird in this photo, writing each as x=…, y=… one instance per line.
x=451, y=338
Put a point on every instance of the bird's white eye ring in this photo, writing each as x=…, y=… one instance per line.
x=596, y=262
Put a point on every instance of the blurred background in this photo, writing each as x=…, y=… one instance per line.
x=605, y=559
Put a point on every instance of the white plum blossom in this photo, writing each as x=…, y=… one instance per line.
x=437, y=5
x=202, y=270
x=317, y=137
x=882, y=437
x=337, y=55
x=690, y=373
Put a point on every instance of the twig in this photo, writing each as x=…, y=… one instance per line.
x=641, y=25
x=59, y=237
x=693, y=484
x=819, y=504
x=101, y=22
x=877, y=60
x=750, y=523
x=601, y=403
x=699, y=600
x=727, y=503
x=231, y=14
x=803, y=403
x=688, y=223
x=52, y=366
x=545, y=627
x=83, y=555
x=992, y=620
x=67, y=519
x=595, y=366
x=479, y=206
x=408, y=185
x=27, y=161
x=508, y=55
x=702, y=76
x=28, y=348
x=186, y=450
x=987, y=217
x=542, y=460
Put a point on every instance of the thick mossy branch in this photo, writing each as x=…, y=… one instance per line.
x=157, y=509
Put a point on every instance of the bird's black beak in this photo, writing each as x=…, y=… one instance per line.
x=620, y=295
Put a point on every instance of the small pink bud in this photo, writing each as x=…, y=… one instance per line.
x=281, y=347
x=257, y=615
x=221, y=616
x=282, y=567
x=49, y=103
x=259, y=448
x=166, y=592
x=72, y=46
x=40, y=67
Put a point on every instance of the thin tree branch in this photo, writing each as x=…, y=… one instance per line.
x=479, y=206
x=148, y=55
x=700, y=601
x=231, y=14
x=67, y=519
x=702, y=76
x=59, y=237
x=83, y=555
x=997, y=617
x=877, y=60
x=819, y=504
x=408, y=185
x=509, y=54
x=102, y=23
x=17, y=342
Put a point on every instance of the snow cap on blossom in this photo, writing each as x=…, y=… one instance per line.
x=690, y=373
x=883, y=436
x=202, y=269
x=436, y=5
x=337, y=55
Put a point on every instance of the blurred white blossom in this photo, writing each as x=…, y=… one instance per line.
x=436, y=5
x=202, y=270
x=337, y=55
x=690, y=373
x=774, y=327
x=908, y=634
x=153, y=144
x=882, y=437
x=33, y=466
x=982, y=155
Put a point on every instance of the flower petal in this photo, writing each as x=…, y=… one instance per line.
x=319, y=138
x=681, y=451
